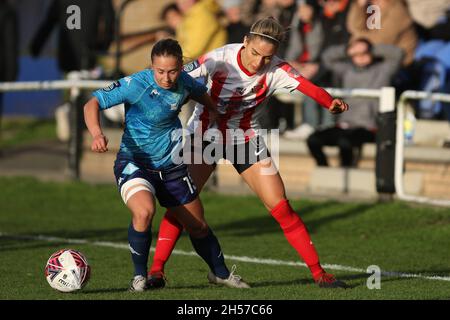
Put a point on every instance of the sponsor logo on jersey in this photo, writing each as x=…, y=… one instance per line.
x=154, y=93
x=112, y=86
x=240, y=90
x=128, y=80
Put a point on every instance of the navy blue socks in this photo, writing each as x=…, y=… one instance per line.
x=139, y=244
x=209, y=249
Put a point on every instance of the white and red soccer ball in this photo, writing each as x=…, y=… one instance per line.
x=67, y=270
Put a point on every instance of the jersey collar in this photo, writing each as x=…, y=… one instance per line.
x=241, y=66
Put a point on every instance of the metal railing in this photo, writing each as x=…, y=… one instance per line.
x=75, y=84
x=386, y=96
x=399, y=147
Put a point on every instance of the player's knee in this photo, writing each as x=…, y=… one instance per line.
x=275, y=201
x=198, y=230
x=142, y=217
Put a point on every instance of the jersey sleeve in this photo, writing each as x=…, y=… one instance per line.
x=202, y=67
x=194, y=87
x=286, y=77
x=118, y=92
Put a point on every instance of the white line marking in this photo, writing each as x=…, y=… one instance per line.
x=229, y=257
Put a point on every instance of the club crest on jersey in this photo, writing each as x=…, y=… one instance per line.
x=112, y=86
x=257, y=87
x=173, y=107
x=191, y=66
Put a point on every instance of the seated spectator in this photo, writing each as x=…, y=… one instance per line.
x=369, y=67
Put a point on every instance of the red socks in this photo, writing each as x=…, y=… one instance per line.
x=169, y=232
x=293, y=227
x=297, y=235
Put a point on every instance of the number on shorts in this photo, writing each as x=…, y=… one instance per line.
x=188, y=181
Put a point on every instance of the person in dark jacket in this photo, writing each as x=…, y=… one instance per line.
x=9, y=52
x=359, y=65
x=77, y=48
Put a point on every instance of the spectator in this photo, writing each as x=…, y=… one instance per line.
x=369, y=68
x=281, y=114
x=334, y=18
x=77, y=48
x=432, y=56
x=432, y=18
x=236, y=29
x=329, y=21
x=172, y=17
x=396, y=27
x=200, y=30
x=253, y=10
x=9, y=47
x=305, y=39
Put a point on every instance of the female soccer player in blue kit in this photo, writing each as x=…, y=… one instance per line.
x=145, y=167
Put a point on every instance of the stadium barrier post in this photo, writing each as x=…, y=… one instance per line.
x=385, y=145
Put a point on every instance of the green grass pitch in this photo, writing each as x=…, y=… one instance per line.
x=397, y=237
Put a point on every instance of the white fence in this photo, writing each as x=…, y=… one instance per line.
x=399, y=147
x=386, y=96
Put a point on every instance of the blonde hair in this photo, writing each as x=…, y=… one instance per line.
x=268, y=29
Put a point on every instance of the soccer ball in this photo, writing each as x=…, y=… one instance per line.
x=67, y=270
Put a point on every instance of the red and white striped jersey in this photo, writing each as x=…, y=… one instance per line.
x=239, y=94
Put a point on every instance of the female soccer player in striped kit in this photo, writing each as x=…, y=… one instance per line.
x=240, y=77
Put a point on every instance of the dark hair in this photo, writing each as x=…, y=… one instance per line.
x=355, y=40
x=167, y=47
x=167, y=8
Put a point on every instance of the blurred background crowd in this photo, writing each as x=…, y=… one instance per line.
x=334, y=43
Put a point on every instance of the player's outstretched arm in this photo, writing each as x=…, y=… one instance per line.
x=92, y=120
x=338, y=106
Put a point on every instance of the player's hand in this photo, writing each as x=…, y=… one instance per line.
x=213, y=116
x=100, y=144
x=338, y=106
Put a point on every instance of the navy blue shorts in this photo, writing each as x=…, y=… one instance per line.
x=172, y=187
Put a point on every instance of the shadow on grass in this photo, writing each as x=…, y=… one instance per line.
x=30, y=246
x=109, y=290
x=266, y=223
x=310, y=281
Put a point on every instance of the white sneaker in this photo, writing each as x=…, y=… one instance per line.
x=138, y=284
x=302, y=132
x=233, y=280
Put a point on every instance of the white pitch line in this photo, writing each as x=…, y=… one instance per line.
x=229, y=257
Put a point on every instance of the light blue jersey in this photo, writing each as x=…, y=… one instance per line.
x=151, y=115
